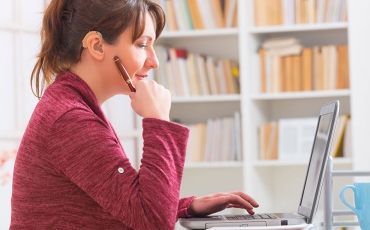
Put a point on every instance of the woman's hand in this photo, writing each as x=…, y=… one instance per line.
x=151, y=100
x=206, y=205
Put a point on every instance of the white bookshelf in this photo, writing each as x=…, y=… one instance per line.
x=217, y=165
x=314, y=27
x=276, y=185
x=278, y=163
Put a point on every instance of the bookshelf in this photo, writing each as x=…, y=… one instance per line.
x=271, y=182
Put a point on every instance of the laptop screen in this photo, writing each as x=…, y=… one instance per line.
x=319, y=155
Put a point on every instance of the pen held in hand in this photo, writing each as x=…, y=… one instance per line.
x=124, y=73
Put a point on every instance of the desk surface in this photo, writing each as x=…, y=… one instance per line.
x=318, y=225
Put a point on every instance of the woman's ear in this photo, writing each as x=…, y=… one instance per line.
x=93, y=42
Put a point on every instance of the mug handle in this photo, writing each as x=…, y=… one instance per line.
x=341, y=195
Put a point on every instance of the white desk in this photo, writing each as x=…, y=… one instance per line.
x=292, y=227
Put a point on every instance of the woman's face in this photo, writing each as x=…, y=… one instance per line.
x=138, y=58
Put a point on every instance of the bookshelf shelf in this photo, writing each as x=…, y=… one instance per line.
x=218, y=164
x=297, y=28
x=210, y=98
x=277, y=163
x=301, y=95
x=199, y=33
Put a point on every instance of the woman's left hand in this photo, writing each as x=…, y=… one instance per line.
x=206, y=205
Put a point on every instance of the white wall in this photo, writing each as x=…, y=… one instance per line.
x=20, y=21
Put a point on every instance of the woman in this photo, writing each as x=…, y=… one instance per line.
x=71, y=171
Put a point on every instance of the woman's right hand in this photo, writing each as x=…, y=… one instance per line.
x=151, y=100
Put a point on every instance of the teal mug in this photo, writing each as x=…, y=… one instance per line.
x=361, y=191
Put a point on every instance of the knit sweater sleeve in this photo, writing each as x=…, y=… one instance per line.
x=183, y=207
x=88, y=153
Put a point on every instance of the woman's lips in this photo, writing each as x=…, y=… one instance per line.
x=141, y=77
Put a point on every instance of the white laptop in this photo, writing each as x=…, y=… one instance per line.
x=311, y=189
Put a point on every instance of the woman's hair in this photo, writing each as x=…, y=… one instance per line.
x=66, y=22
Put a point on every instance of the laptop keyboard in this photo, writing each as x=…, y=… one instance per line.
x=250, y=217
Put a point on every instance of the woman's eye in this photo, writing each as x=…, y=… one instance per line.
x=142, y=46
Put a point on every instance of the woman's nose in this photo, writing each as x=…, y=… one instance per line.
x=152, y=60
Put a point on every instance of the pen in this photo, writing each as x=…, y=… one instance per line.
x=124, y=74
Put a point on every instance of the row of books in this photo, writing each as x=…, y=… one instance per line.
x=287, y=66
x=199, y=14
x=293, y=138
x=189, y=74
x=217, y=140
x=290, y=12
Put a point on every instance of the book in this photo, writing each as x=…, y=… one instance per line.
x=160, y=73
x=269, y=140
x=289, y=12
x=180, y=14
x=260, y=14
x=296, y=136
x=337, y=143
x=342, y=67
x=171, y=15
x=199, y=137
x=288, y=74
x=236, y=137
x=217, y=10
x=195, y=14
x=347, y=139
x=181, y=57
x=193, y=78
x=220, y=73
x=297, y=73
x=275, y=78
x=202, y=74
x=234, y=66
x=262, y=55
x=186, y=12
x=173, y=54
x=212, y=79
x=279, y=42
x=227, y=139
x=207, y=13
x=317, y=68
x=285, y=50
x=230, y=11
x=263, y=137
x=306, y=65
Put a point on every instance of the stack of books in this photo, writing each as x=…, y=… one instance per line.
x=217, y=140
x=292, y=138
x=290, y=12
x=287, y=66
x=199, y=14
x=190, y=74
